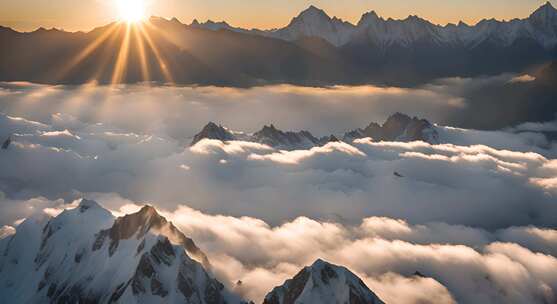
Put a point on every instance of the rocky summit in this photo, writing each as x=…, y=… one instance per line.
x=398, y=127
x=85, y=255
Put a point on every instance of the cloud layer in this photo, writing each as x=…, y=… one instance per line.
x=426, y=263
x=471, y=220
x=68, y=145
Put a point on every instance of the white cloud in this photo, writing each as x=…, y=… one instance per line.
x=6, y=231
x=523, y=78
x=457, y=183
x=447, y=263
x=423, y=263
x=473, y=214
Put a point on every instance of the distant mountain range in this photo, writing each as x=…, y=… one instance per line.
x=398, y=127
x=540, y=27
x=314, y=49
x=85, y=255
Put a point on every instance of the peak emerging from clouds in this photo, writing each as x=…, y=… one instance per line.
x=73, y=257
x=324, y=283
x=87, y=255
x=398, y=127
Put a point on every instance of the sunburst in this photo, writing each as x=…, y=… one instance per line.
x=131, y=35
x=131, y=11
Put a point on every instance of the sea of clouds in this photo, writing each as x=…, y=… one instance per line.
x=471, y=221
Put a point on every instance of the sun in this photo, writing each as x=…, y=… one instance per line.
x=131, y=11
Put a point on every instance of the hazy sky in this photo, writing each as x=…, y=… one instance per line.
x=86, y=14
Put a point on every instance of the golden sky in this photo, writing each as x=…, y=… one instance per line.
x=85, y=14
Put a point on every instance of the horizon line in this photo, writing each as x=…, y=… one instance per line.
x=2, y=22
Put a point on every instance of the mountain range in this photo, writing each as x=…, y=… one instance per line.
x=85, y=255
x=314, y=49
x=398, y=127
x=540, y=26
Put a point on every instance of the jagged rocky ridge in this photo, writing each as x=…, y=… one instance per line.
x=540, y=26
x=85, y=255
x=398, y=127
x=314, y=49
x=323, y=283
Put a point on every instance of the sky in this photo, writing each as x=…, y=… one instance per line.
x=27, y=15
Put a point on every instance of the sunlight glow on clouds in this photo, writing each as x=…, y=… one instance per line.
x=490, y=179
x=471, y=221
x=427, y=263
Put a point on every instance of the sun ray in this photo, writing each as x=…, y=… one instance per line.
x=122, y=60
x=162, y=64
x=105, y=60
x=142, y=55
x=87, y=51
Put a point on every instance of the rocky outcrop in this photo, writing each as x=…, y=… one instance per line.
x=324, y=283
x=398, y=127
x=213, y=131
x=85, y=255
x=276, y=138
x=137, y=225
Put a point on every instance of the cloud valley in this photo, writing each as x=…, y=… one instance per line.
x=471, y=220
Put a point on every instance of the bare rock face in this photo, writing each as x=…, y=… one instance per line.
x=274, y=137
x=268, y=135
x=138, y=224
x=290, y=291
x=7, y=143
x=548, y=74
x=85, y=255
x=323, y=283
x=213, y=131
x=398, y=127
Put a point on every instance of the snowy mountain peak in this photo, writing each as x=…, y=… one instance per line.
x=540, y=27
x=313, y=12
x=213, y=131
x=138, y=225
x=369, y=18
x=85, y=205
x=149, y=211
x=314, y=22
x=398, y=127
x=545, y=11
x=325, y=283
x=268, y=135
x=89, y=257
x=547, y=8
x=274, y=137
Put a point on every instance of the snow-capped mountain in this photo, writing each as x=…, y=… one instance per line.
x=314, y=22
x=84, y=255
x=313, y=49
x=540, y=26
x=398, y=127
x=323, y=283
